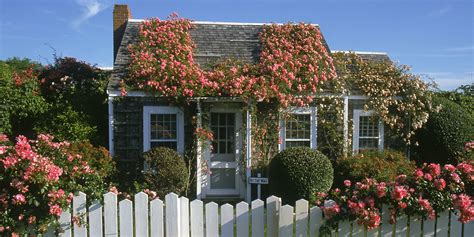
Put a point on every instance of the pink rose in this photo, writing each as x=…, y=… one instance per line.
x=55, y=210
x=19, y=199
x=418, y=173
x=439, y=184
x=399, y=192
x=449, y=167
x=347, y=183
x=434, y=169
x=428, y=177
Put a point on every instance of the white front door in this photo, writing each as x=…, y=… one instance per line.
x=224, y=153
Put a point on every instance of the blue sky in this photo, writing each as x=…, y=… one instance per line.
x=435, y=37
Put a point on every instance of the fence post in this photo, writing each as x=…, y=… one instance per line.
x=242, y=219
x=184, y=209
x=315, y=221
x=197, y=219
x=285, y=225
x=257, y=218
x=301, y=211
x=65, y=223
x=110, y=214
x=95, y=219
x=273, y=207
x=212, y=220
x=141, y=214
x=126, y=217
x=227, y=220
x=79, y=210
x=172, y=215
x=156, y=218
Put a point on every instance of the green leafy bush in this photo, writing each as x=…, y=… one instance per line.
x=443, y=138
x=381, y=165
x=166, y=171
x=98, y=158
x=299, y=172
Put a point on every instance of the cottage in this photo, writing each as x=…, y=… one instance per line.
x=141, y=120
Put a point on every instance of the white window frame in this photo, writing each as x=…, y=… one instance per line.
x=148, y=111
x=356, y=132
x=312, y=111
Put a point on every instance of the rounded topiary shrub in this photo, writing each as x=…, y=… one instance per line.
x=166, y=171
x=444, y=136
x=299, y=172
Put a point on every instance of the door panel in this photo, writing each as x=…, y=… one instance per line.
x=224, y=154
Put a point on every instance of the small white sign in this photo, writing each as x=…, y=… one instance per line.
x=255, y=180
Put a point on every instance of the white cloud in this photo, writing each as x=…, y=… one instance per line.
x=469, y=48
x=90, y=9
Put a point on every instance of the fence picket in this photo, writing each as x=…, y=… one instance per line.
x=95, y=219
x=126, y=218
x=227, y=220
x=357, y=230
x=415, y=226
x=184, y=209
x=79, y=210
x=386, y=228
x=401, y=227
x=197, y=222
x=285, y=224
x=242, y=219
x=456, y=226
x=273, y=206
x=315, y=221
x=156, y=218
x=172, y=215
x=469, y=228
x=141, y=214
x=344, y=229
x=110, y=215
x=301, y=216
x=257, y=218
x=372, y=233
x=442, y=224
x=429, y=227
x=65, y=223
x=212, y=221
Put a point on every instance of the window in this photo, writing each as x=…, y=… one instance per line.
x=163, y=127
x=299, y=128
x=368, y=131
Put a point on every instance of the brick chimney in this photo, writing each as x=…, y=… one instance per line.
x=121, y=15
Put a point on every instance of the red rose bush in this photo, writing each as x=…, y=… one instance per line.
x=431, y=189
x=38, y=179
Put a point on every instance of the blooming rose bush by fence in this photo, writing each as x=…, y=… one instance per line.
x=37, y=180
x=428, y=191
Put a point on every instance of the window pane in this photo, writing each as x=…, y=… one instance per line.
x=163, y=126
x=298, y=126
x=172, y=145
x=368, y=127
x=222, y=126
x=297, y=143
x=222, y=178
x=368, y=143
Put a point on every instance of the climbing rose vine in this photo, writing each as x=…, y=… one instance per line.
x=427, y=191
x=37, y=181
x=293, y=61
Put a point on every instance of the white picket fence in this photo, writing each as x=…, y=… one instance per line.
x=177, y=217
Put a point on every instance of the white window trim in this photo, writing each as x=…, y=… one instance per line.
x=356, y=132
x=149, y=110
x=313, y=123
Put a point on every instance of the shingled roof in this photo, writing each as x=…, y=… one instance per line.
x=214, y=41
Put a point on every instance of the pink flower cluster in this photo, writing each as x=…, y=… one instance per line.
x=32, y=180
x=293, y=61
x=429, y=190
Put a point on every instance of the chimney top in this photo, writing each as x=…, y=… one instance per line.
x=120, y=17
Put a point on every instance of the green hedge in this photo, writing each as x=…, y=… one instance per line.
x=166, y=171
x=382, y=165
x=299, y=172
x=443, y=137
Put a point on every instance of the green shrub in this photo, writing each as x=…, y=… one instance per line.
x=299, y=172
x=98, y=158
x=381, y=165
x=443, y=137
x=166, y=171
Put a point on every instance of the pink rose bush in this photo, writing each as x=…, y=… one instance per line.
x=37, y=181
x=293, y=61
x=429, y=190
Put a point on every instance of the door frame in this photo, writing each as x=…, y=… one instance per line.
x=239, y=184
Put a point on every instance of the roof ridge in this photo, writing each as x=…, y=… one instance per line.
x=359, y=52
x=227, y=23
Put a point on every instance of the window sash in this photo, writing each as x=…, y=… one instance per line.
x=357, y=139
x=311, y=111
x=177, y=130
